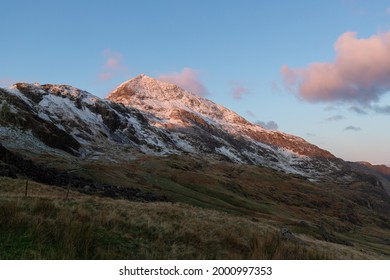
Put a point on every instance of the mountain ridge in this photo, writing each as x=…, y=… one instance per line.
x=147, y=116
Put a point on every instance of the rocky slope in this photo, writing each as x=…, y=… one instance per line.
x=382, y=172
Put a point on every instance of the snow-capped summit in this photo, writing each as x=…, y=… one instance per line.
x=143, y=86
x=176, y=107
x=164, y=99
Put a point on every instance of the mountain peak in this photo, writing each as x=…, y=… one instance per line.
x=141, y=77
x=143, y=87
x=172, y=107
x=160, y=118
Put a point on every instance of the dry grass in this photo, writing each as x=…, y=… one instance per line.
x=271, y=247
x=45, y=225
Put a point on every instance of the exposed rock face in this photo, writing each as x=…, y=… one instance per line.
x=23, y=117
x=286, y=234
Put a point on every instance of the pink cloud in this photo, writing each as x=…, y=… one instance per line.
x=113, y=66
x=188, y=79
x=388, y=11
x=238, y=90
x=359, y=74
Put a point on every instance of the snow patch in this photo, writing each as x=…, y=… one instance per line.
x=228, y=153
x=14, y=91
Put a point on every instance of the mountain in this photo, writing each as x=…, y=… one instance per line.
x=177, y=109
x=150, y=141
x=147, y=116
x=144, y=115
x=62, y=127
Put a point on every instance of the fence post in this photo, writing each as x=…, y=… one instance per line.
x=25, y=192
x=67, y=190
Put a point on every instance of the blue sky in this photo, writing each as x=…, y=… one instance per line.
x=252, y=57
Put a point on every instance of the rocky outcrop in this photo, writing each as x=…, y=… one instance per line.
x=13, y=165
x=23, y=116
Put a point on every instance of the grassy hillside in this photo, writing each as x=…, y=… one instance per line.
x=207, y=210
x=219, y=211
x=355, y=214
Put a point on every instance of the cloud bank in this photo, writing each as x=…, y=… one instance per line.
x=188, y=79
x=360, y=73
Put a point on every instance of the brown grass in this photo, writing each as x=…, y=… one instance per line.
x=45, y=225
x=271, y=247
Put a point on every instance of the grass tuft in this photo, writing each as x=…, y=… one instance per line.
x=272, y=247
